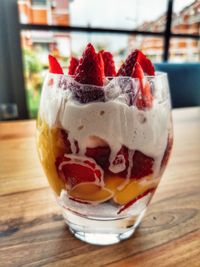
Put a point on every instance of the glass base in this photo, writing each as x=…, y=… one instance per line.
x=101, y=238
x=101, y=231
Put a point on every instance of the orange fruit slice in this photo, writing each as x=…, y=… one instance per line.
x=113, y=182
x=47, y=147
x=90, y=192
x=133, y=189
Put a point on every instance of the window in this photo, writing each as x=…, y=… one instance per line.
x=126, y=14
x=184, y=50
x=64, y=27
x=186, y=17
x=36, y=45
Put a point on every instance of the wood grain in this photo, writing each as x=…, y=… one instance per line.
x=33, y=233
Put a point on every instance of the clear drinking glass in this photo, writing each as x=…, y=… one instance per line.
x=103, y=156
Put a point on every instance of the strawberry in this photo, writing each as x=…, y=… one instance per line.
x=68, y=144
x=130, y=203
x=136, y=56
x=141, y=165
x=88, y=94
x=75, y=169
x=167, y=152
x=73, y=65
x=100, y=154
x=90, y=69
x=144, y=99
x=54, y=66
x=109, y=65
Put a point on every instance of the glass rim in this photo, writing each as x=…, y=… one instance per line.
x=158, y=74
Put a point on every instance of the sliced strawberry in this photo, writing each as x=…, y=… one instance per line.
x=100, y=154
x=54, y=66
x=68, y=144
x=130, y=203
x=141, y=165
x=136, y=56
x=90, y=69
x=74, y=170
x=144, y=98
x=167, y=153
x=73, y=65
x=86, y=94
x=120, y=164
x=66, y=141
x=137, y=72
x=109, y=64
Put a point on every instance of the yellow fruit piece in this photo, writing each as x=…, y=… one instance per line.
x=48, y=149
x=113, y=182
x=90, y=192
x=57, y=142
x=133, y=189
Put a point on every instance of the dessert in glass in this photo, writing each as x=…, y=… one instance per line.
x=104, y=139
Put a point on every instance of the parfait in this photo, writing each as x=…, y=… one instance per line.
x=104, y=139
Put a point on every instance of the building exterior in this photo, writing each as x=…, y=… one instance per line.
x=47, y=12
x=187, y=21
x=181, y=49
x=44, y=12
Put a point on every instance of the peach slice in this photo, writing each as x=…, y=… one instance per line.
x=134, y=189
x=46, y=138
x=90, y=192
x=58, y=145
x=113, y=182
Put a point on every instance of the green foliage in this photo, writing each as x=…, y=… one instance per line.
x=33, y=78
x=31, y=62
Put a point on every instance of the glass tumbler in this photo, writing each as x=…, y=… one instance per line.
x=104, y=150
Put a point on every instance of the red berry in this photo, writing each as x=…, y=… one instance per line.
x=74, y=170
x=90, y=69
x=86, y=94
x=167, y=153
x=54, y=66
x=67, y=142
x=73, y=65
x=100, y=154
x=109, y=65
x=141, y=165
x=144, y=97
x=136, y=56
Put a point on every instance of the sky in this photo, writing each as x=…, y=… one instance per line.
x=119, y=14
x=126, y=14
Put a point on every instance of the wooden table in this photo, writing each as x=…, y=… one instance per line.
x=33, y=233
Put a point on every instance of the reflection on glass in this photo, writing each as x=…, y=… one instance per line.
x=186, y=17
x=184, y=50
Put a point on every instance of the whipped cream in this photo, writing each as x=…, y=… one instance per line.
x=113, y=121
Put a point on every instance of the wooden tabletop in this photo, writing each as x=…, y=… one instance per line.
x=33, y=233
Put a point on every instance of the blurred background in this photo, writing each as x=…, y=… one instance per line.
x=166, y=31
